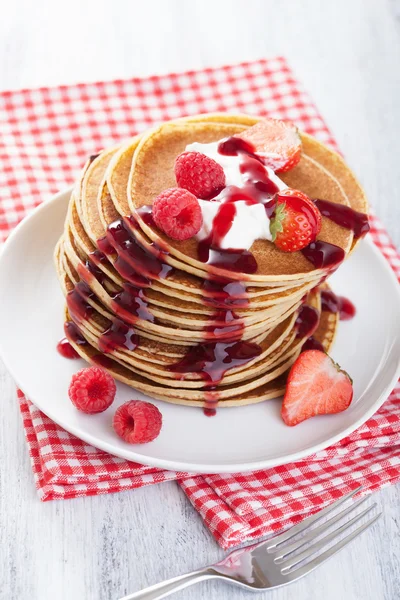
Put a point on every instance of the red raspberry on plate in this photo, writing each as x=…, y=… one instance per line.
x=137, y=422
x=177, y=212
x=92, y=390
x=199, y=174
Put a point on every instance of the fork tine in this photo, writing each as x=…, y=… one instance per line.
x=294, y=560
x=286, y=549
x=292, y=531
x=307, y=568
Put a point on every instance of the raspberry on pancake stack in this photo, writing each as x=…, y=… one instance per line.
x=194, y=258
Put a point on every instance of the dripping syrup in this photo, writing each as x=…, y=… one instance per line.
x=66, y=350
x=213, y=360
x=307, y=321
x=209, y=412
x=312, y=344
x=324, y=255
x=344, y=216
x=224, y=293
x=118, y=335
x=337, y=304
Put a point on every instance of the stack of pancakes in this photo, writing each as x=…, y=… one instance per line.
x=145, y=308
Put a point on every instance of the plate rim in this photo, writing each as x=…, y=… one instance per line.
x=174, y=465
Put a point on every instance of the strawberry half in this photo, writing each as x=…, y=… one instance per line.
x=316, y=386
x=277, y=142
x=296, y=221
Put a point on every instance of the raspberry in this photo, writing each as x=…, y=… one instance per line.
x=137, y=422
x=177, y=212
x=199, y=174
x=92, y=390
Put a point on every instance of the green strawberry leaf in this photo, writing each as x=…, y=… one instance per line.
x=276, y=223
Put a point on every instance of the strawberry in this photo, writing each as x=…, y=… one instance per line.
x=316, y=386
x=296, y=221
x=277, y=142
x=199, y=174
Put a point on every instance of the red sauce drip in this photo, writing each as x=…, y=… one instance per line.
x=323, y=254
x=212, y=361
x=225, y=324
x=210, y=412
x=133, y=258
x=257, y=188
x=130, y=274
x=337, y=304
x=66, y=350
x=73, y=334
x=77, y=302
x=102, y=361
x=238, y=261
x=118, y=335
x=344, y=216
x=131, y=304
x=307, y=321
x=312, y=344
x=224, y=293
x=105, y=246
x=95, y=271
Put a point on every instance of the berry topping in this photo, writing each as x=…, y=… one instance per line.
x=296, y=221
x=92, y=390
x=137, y=422
x=199, y=174
x=316, y=386
x=277, y=142
x=177, y=212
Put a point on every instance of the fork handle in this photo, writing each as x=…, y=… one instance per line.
x=165, y=588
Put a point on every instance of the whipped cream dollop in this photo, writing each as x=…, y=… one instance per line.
x=250, y=222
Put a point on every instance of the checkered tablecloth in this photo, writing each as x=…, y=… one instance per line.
x=45, y=136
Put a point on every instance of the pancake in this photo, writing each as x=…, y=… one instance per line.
x=152, y=172
x=145, y=308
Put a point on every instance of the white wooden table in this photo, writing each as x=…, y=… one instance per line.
x=347, y=53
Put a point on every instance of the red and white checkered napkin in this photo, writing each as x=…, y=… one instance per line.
x=45, y=136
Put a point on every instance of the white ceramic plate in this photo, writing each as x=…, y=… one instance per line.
x=236, y=439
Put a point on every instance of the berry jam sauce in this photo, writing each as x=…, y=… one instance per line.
x=223, y=293
x=323, y=255
x=224, y=324
x=66, y=350
x=73, y=334
x=147, y=263
x=307, y=321
x=258, y=188
x=77, y=302
x=344, y=216
x=337, y=304
x=312, y=344
x=213, y=360
x=209, y=412
x=118, y=335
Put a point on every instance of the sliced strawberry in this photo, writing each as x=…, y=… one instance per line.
x=277, y=142
x=296, y=221
x=316, y=386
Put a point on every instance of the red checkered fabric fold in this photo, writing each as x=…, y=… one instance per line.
x=45, y=136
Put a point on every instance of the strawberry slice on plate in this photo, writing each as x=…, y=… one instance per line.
x=316, y=386
x=296, y=221
x=277, y=142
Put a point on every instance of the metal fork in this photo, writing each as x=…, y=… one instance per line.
x=275, y=562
